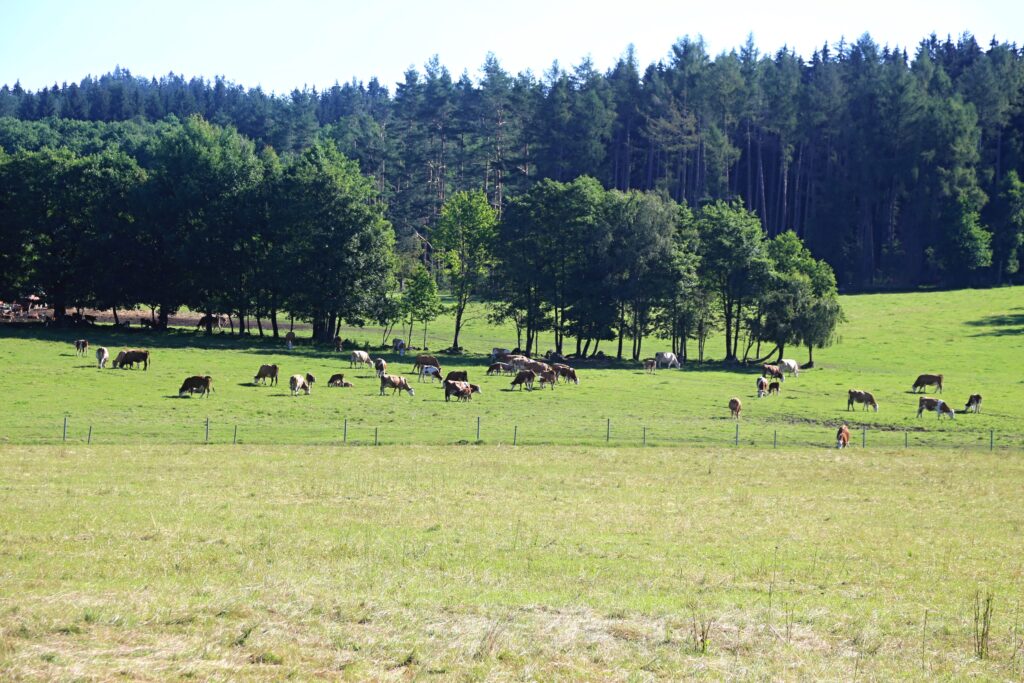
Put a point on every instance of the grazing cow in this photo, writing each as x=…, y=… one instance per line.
x=339, y=381
x=566, y=372
x=395, y=383
x=935, y=404
x=381, y=366
x=863, y=397
x=213, y=320
x=129, y=357
x=457, y=376
x=735, y=407
x=650, y=365
x=337, y=343
x=201, y=384
x=549, y=377
x=289, y=338
x=772, y=371
x=359, y=358
x=791, y=366
x=431, y=371
x=398, y=346
x=843, y=437
x=666, y=357
x=973, y=404
x=102, y=356
x=524, y=378
x=424, y=359
x=81, y=347
x=299, y=383
x=498, y=369
x=537, y=366
x=773, y=388
x=924, y=381
x=266, y=372
x=762, y=387
x=460, y=389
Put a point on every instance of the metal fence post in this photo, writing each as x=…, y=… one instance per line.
x=375, y=435
x=608, y=431
x=737, y=440
x=64, y=436
x=207, y=430
x=344, y=432
x=775, y=439
x=477, y=427
x=89, y=440
x=645, y=436
x=864, y=437
x=234, y=439
x=906, y=439
x=991, y=439
x=515, y=434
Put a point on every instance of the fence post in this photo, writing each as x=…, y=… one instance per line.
x=64, y=436
x=515, y=434
x=375, y=435
x=775, y=439
x=234, y=439
x=344, y=432
x=477, y=427
x=89, y=440
x=906, y=439
x=864, y=437
x=207, y=430
x=608, y=431
x=645, y=436
x=991, y=439
x=737, y=440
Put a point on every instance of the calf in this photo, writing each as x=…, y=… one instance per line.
x=762, y=387
x=524, y=378
x=773, y=388
x=772, y=371
x=359, y=358
x=396, y=383
x=102, y=355
x=735, y=407
x=498, y=369
x=266, y=372
x=934, y=404
x=650, y=365
x=201, y=384
x=81, y=347
x=299, y=383
x=338, y=381
x=863, y=397
x=843, y=437
x=381, y=366
x=973, y=404
x=549, y=377
x=924, y=381
x=431, y=371
x=457, y=376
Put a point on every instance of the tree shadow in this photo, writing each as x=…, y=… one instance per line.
x=1003, y=325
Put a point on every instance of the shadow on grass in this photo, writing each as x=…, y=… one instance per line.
x=1003, y=325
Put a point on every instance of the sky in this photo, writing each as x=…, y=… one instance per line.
x=285, y=45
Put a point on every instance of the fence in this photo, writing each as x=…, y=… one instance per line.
x=629, y=432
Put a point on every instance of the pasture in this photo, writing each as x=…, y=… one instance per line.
x=972, y=337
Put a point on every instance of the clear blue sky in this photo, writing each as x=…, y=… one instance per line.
x=282, y=45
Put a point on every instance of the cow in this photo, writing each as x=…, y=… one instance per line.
x=398, y=346
x=266, y=372
x=762, y=387
x=201, y=384
x=299, y=383
x=773, y=388
x=359, y=358
x=496, y=351
x=843, y=436
x=650, y=365
x=81, y=347
x=537, y=366
x=566, y=372
x=460, y=389
x=431, y=371
x=213, y=320
x=424, y=359
x=339, y=381
x=396, y=383
x=524, y=378
x=457, y=376
x=381, y=366
x=666, y=357
x=935, y=404
x=517, y=361
x=498, y=369
x=549, y=377
x=735, y=407
x=289, y=339
x=924, y=381
x=338, y=344
x=791, y=366
x=129, y=357
x=863, y=397
x=973, y=404
x=772, y=371
x=102, y=356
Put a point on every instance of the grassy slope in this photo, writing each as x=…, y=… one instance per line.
x=973, y=337
x=497, y=563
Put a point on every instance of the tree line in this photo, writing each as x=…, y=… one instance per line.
x=193, y=214
x=897, y=169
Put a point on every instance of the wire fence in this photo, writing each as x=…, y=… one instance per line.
x=610, y=432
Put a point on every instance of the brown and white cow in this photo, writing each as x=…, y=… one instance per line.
x=843, y=436
x=424, y=359
x=937, y=405
x=498, y=369
x=463, y=391
x=866, y=398
x=565, y=372
x=431, y=371
x=457, y=376
x=735, y=406
x=762, y=387
x=102, y=356
x=81, y=347
x=338, y=380
x=299, y=383
x=266, y=372
x=924, y=381
x=524, y=378
x=381, y=366
x=772, y=371
x=197, y=384
x=973, y=404
x=549, y=377
x=129, y=357
x=396, y=384
x=359, y=358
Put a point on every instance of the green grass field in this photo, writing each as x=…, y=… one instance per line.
x=973, y=337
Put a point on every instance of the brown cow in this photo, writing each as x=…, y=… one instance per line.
x=735, y=407
x=81, y=347
x=338, y=381
x=266, y=372
x=498, y=369
x=773, y=371
x=457, y=376
x=864, y=397
x=381, y=366
x=650, y=365
x=773, y=388
x=460, y=389
x=935, y=404
x=762, y=387
x=424, y=359
x=843, y=436
x=524, y=378
x=396, y=383
x=973, y=404
x=924, y=381
x=549, y=377
x=201, y=384
x=129, y=357
x=566, y=372
x=299, y=383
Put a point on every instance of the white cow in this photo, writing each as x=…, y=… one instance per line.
x=791, y=366
x=431, y=371
x=102, y=356
x=666, y=357
x=359, y=358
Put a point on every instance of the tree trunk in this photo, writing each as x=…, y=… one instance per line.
x=273, y=321
x=116, y=321
x=209, y=322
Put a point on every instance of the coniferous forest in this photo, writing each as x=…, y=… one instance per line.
x=898, y=167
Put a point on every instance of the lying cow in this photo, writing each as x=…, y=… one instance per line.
x=843, y=437
x=863, y=397
x=339, y=381
x=924, y=381
x=264, y=373
x=299, y=383
x=129, y=357
x=381, y=366
x=395, y=383
x=762, y=387
x=431, y=371
x=457, y=376
x=102, y=356
x=772, y=371
x=524, y=378
x=359, y=358
x=973, y=404
x=791, y=366
x=735, y=406
x=935, y=404
x=197, y=384
x=667, y=358
x=498, y=369
x=81, y=347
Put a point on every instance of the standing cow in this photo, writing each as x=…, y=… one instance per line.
x=266, y=372
x=81, y=347
x=667, y=358
x=381, y=366
x=735, y=406
x=843, y=436
x=102, y=356
x=299, y=383
x=396, y=384
x=791, y=366
x=359, y=358
x=762, y=387
x=197, y=384
x=924, y=381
